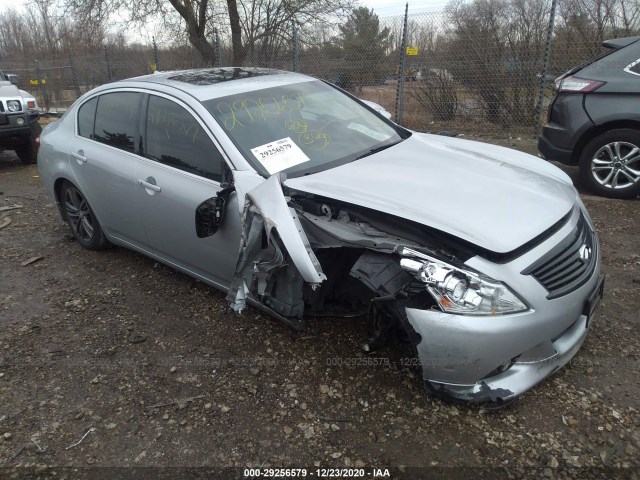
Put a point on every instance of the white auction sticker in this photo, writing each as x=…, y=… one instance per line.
x=279, y=155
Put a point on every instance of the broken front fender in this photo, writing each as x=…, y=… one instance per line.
x=271, y=240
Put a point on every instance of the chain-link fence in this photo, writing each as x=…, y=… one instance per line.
x=464, y=70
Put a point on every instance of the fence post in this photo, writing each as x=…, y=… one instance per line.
x=545, y=70
x=403, y=52
x=106, y=59
x=296, y=65
x=43, y=91
x=74, y=75
x=156, y=57
x=217, y=62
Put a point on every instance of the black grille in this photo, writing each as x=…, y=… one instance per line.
x=569, y=264
x=1, y=107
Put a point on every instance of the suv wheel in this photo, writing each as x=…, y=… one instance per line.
x=28, y=153
x=610, y=164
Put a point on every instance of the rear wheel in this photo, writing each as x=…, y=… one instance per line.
x=28, y=153
x=610, y=164
x=81, y=219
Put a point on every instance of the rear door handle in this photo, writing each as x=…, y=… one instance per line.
x=79, y=156
x=150, y=186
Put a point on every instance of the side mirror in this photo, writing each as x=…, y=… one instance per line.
x=12, y=78
x=210, y=213
x=378, y=108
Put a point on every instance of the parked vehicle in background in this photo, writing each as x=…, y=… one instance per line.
x=594, y=120
x=19, y=114
x=302, y=200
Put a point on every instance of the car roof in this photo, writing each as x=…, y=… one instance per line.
x=208, y=83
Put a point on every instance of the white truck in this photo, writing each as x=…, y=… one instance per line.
x=19, y=115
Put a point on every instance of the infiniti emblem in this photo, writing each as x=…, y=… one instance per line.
x=585, y=253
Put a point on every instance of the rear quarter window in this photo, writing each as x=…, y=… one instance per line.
x=86, y=117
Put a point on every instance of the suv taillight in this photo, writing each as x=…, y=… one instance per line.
x=576, y=85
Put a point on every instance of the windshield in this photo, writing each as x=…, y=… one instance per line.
x=301, y=128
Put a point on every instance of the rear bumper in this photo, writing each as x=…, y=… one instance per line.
x=548, y=151
x=568, y=122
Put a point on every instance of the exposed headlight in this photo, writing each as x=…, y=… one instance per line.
x=13, y=105
x=461, y=290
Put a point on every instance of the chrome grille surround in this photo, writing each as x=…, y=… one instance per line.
x=569, y=264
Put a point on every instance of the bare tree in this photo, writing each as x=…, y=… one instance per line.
x=497, y=46
x=252, y=24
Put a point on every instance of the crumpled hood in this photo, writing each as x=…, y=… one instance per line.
x=491, y=196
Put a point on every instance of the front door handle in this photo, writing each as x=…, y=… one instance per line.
x=79, y=156
x=149, y=186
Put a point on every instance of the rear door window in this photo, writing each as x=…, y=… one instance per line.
x=174, y=137
x=117, y=119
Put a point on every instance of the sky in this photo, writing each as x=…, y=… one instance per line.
x=5, y=4
x=383, y=8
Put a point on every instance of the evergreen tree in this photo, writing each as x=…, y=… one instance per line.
x=365, y=47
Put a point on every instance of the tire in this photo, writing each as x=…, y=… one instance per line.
x=28, y=153
x=84, y=225
x=610, y=164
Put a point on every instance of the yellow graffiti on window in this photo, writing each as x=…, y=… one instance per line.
x=174, y=123
x=246, y=111
x=314, y=140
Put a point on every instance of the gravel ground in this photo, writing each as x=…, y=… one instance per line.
x=160, y=372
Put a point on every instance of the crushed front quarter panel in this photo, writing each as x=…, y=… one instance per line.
x=265, y=210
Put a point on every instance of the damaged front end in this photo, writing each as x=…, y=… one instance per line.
x=302, y=254
x=305, y=255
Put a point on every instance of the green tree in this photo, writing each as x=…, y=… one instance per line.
x=365, y=47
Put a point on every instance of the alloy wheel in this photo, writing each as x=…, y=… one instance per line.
x=616, y=165
x=78, y=214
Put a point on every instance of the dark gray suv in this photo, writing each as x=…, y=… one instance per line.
x=594, y=120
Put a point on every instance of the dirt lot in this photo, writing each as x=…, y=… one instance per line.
x=161, y=372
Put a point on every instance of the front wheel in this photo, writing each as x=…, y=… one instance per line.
x=28, y=153
x=81, y=219
x=610, y=164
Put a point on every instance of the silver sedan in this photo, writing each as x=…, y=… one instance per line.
x=297, y=198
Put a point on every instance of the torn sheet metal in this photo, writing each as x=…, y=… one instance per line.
x=244, y=181
x=266, y=209
x=326, y=232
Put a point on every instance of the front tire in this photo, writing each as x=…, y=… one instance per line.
x=84, y=225
x=28, y=153
x=610, y=164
